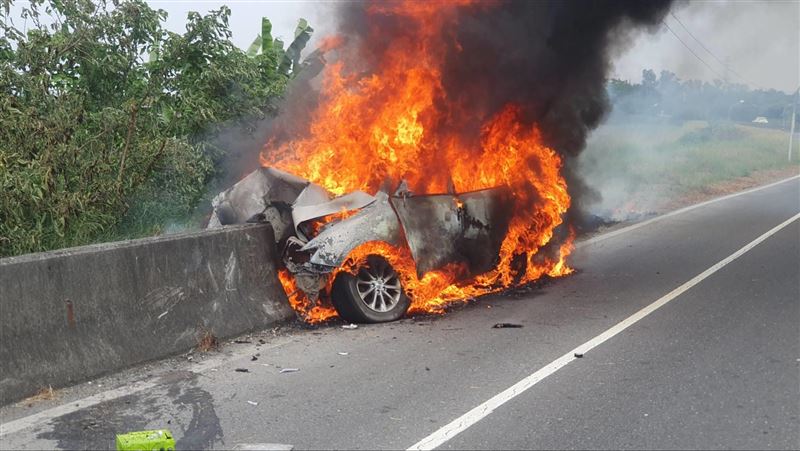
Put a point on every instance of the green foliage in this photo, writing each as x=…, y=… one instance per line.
x=291, y=59
x=104, y=116
x=288, y=61
x=266, y=35
x=717, y=132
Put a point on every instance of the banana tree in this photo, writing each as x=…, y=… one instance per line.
x=288, y=60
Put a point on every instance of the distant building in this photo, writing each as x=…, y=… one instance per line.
x=760, y=120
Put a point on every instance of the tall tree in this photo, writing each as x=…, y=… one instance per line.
x=102, y=110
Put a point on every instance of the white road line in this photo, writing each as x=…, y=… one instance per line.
x=110, y=395
x=63, y=409
x=478, y=413
x=632, y=227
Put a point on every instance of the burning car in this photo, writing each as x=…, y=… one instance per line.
x=416, y=164
x=394, y=182
x=316, y=233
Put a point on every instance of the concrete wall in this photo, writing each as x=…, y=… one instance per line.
x=72, y=314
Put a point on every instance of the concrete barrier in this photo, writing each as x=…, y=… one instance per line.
x=73, y=314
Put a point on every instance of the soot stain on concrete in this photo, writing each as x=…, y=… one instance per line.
x=181, y=407
x=95, y=427
x=204, y=428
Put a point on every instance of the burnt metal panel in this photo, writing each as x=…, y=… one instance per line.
x=348, y=202
x=432, y=227
x=375, y=222
x=439, y=229
x=486, y=214
x=312, y=194
x=447, y=228
x=253, y=194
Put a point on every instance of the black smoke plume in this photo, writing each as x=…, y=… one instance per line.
x=550, y=57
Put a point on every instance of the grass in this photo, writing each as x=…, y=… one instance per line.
x=44, y=394
x=648, y=165
x=206, y=341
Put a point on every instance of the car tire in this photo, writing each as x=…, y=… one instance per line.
x=373, y=295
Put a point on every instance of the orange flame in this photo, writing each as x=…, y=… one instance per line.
x=310, y=311
x=316, y=225
x=397, y=122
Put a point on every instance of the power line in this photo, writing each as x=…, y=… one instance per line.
x=725, y=65
x=692, y=51
x=695, y=38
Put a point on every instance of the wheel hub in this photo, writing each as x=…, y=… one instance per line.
x=378, y=286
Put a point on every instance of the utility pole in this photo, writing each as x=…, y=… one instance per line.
x=791, y=129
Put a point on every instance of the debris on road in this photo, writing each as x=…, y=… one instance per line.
x=241, y=342
x=242, y=370
x=507, y=326
x=252, y=403
x=289, y=370
x=350, y=326
x=343, y=353
x=254, y=358
x=578, y=355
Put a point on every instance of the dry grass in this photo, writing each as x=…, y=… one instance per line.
x=656, y=167
x=756, y=178
x=44, y=394
x=207, y=341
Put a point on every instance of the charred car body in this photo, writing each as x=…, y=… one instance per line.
x=315, y=232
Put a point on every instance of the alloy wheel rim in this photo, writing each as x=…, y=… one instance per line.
x=378, y=286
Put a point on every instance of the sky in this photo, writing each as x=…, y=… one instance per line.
x=752, y=42
x=246, y=16
x=758, y=40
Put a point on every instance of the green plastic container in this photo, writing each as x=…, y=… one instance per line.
x=160, y=440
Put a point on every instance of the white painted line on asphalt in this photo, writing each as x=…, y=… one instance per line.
x=49, y=414
x=110, y=395
x=463, y=422
x=632, y=227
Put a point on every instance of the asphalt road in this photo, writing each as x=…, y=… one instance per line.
x=717, y=366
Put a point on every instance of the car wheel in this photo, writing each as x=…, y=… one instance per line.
x=373, y=295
